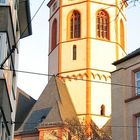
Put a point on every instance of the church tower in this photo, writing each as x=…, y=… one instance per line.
x=86, y=37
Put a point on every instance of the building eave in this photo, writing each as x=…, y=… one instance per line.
x=24, y=17
x=129, y=56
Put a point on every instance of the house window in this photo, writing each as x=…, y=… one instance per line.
x=54, y=35
x=0, y=49
x=102, y=112
x=75, y=25
x=138, y=128
x=137, y=82
x=102, y=24
x=74, y=52
x=3, y=1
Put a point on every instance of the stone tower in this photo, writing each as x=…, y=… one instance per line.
x=86, y=37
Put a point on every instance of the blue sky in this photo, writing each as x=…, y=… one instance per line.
x=33, y=50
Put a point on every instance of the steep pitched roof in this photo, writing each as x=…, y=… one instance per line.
x=23, y=106
x=54, y=106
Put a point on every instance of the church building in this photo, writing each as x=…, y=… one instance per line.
x=85, y=38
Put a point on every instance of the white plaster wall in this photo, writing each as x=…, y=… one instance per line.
x=104, y=2
x=53, y=62
x=77, y=91
x=68, y=2
x=66, y=59
x=100, y=95
x=103, y=54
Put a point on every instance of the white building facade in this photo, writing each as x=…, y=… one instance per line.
x=11, y=31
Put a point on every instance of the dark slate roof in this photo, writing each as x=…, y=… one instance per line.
x=53, y=107
x=24, y=105
x=35, y=118
x=129, y=56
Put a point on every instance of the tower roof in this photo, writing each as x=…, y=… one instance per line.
x=54, y=106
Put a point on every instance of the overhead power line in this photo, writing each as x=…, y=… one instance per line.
x=15, y=46
x=76, y=79
x=65, y=123
x=44, y=74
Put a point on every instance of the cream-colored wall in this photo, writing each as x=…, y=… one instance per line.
x=121, y=53
x=53, y=62
x=104, y=2
x=77, y=90
x=66, y=58
x=103, y=54
x=68, y=2
x=100, y=95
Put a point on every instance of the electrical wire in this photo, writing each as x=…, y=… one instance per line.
x=76, y=79
x=122, y=4
x=15, y=46
x=65, y=123
x=43, y=74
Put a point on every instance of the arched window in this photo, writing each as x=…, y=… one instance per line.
x=74, y=55
x=102, y=24
x=75, y=24
x=102, y=112
x=122, y=36
x=54, y=35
